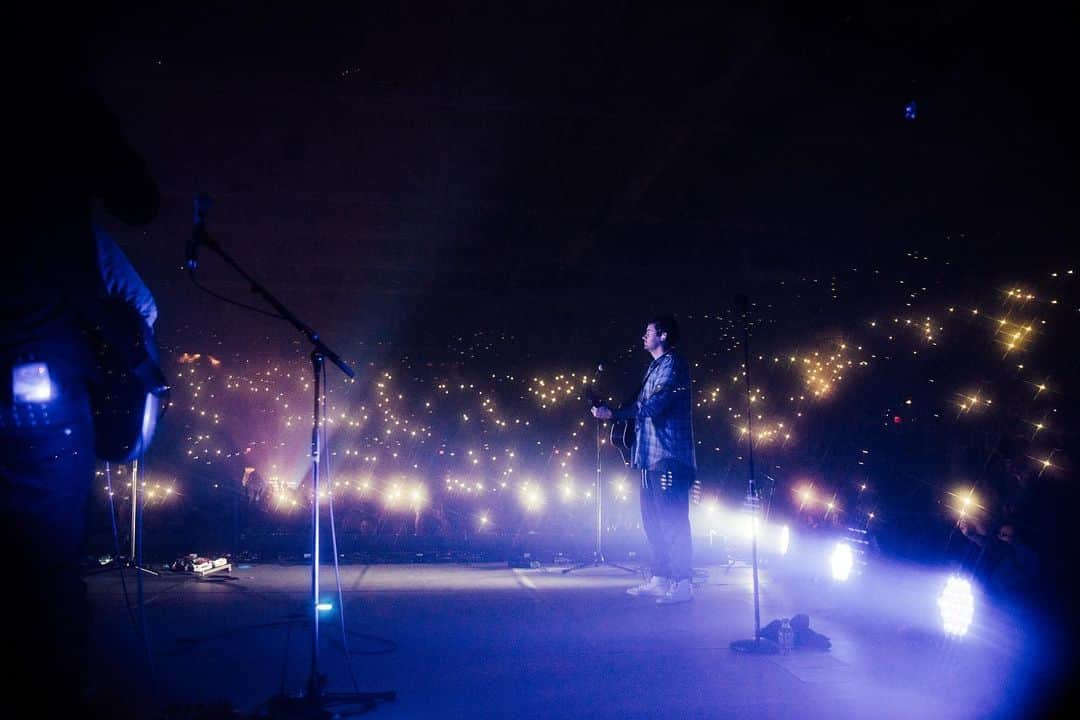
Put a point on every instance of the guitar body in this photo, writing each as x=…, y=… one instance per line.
x=129, y=393
x=623, y=433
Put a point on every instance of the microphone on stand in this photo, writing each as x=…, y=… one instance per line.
x=757, y=644
x=590, y=392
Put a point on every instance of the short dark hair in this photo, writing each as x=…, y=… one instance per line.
x=667, y=324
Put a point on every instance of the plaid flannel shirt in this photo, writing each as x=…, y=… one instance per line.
x=662, y=413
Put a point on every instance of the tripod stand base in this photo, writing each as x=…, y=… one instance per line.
x=122, y=565
x=758, y=646
x=306, y=707
x=597, y=561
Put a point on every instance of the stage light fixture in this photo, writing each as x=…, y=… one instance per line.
x=532, y=497
x=418, y=497
x=957, y=606
x=841, y=561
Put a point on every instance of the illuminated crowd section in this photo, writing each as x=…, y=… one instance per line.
x=495, y=442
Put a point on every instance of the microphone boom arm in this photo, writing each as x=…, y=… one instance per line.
x=202, y=237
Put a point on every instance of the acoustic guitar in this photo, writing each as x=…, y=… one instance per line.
x=623, y=432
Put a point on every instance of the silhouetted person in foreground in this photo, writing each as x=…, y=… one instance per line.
x=64, y=153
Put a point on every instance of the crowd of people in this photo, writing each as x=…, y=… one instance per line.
x=1003, y=535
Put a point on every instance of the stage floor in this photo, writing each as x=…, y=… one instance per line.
x=490, y=641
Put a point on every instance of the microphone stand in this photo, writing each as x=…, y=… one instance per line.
x=310, y=705
x=132, y=560
x=598, y=551
x=757, y=644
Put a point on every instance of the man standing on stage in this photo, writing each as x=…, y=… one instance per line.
x=664, y=453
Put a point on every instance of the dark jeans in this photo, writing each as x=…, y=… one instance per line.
x=46, y=471
x=665, y=515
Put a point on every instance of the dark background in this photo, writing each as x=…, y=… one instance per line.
x=391, y=168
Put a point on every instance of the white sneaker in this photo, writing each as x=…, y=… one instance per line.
x=656, y=587
x=679, y=592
